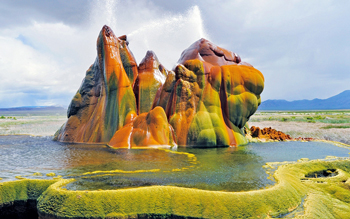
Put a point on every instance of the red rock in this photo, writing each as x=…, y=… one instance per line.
x=269, y=133
x=105, y=102
x=150, y=80
x=205, y=102
x=212, y=97
x=206, y=51
x=146, y=130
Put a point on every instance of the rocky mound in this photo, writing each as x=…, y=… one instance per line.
x=206, y=100
x=148, y=129
x=105, y=102
x=149, y=82
x=269, y=133
x=211, y=96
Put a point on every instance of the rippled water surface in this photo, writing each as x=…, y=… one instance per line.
x=99, y=167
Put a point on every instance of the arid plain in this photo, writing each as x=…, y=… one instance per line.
x=325, y=125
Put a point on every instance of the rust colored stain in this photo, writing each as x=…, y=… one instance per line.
x=147, y=130
x=269, y=133
x=204, y=102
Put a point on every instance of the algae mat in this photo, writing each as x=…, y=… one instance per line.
x=326, y=197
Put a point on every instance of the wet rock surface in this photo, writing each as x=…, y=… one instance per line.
x=207, y=98
x=105, y=102
x=151, y=78
x=148, y=129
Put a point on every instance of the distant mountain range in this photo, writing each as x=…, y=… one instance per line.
x=340, y=101
x=33, y=108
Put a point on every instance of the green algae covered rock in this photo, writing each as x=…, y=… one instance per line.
x=22, y=190
x=207, y=99
x=321, y=197
x=105, y=101
x=213, y=97
x=169, y=201
x=149, y=82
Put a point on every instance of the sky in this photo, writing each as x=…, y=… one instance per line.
x=301, y=47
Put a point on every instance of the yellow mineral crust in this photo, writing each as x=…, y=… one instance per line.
x=282, y=198
x=319, y=197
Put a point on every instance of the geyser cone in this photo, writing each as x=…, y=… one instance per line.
x=105, y=102
x=204, y=50
x=207, y=99
x=213, y=96
x=128, y=59
x=149, y=129
x=149, y=82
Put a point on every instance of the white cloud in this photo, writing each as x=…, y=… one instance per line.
x=300, y=46
x=150, y=28
x=51, y=63
x=168, y=36
x=51, y=58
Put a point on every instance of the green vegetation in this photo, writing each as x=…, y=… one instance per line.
x=336, y=126
x=332, y=117
x=29, y=124
x=326, y=125
x=284, y=119
x=9, y=117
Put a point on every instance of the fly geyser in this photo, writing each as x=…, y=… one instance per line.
x=204, y=102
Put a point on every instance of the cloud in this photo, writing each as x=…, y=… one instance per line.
x=24, y=12
x=301, y=47
x=49, y=58
x=149, y=27
x=43, y=61
x=168, y=36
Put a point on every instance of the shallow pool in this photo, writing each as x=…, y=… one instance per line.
x=99, y=167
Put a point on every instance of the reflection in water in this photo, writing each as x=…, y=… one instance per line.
x=99, y=167
x=25, y=155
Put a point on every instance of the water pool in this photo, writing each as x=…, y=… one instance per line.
x=99, y=167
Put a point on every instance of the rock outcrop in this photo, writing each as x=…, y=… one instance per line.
x=269, y=133
x=147, y=130
x=105, y=102
x=204, y=102
x=149, y=82
x=211, y=96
